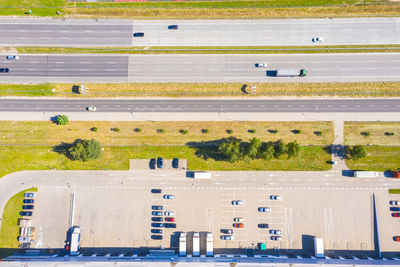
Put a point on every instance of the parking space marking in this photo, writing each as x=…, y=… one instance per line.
x=209, y=219
x=328, y=226
x=289, y=226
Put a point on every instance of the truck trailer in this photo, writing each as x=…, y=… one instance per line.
x=318, y=247
x=365, y=174
x=182, y=245
x=209, y=245
x=75, y=241
x=202, y=175
x=291, y=72
x=196, y=244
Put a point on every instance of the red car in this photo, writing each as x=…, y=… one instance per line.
x=396, y=214
x=396, y=238
x=169, y=219
x=238, y=225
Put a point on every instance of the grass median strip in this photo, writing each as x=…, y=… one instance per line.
x=372, y=133
x=377, y=159
x=9, y=223
x=394, y=191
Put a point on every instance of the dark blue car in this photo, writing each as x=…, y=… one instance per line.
x=160, y=163
x=157, y=225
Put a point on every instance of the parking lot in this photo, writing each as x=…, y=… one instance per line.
x=118, y=213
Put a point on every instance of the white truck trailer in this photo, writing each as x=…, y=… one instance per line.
x=202, y=175
x=365, y=174
x=209, y=245
x=182, y=245
x=75, y=241
x=291, y=72
x=319, y=247
x=196, y=244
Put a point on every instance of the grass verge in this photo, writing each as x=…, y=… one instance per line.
x=377, y=159
x=160, y=133
x=9, y=224
x=394, y=191
x=26, y=90
x=372, y=133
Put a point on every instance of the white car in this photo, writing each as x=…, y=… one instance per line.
x=12, y=57
x=237, y=202
x=275, y=232
x=394, y=202
x=227, y=237
x=91, y=108
x=275, y=197
x=169, y=213
x=318, y=39
x=261, y=65
x=238, y=219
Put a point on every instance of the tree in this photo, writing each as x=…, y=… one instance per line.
x=280, y=148
x=94, y=129
x=62, y=119
x=230, y=150
x=229, y=131
x=85, y=150
x=205, y=131
x=183, y=131
x=357, y=152
x=267, y=151
x=292, y=149
x=253, y=148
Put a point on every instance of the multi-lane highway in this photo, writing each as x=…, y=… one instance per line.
x=337, y=31
x=183, y=105
x=200, y=68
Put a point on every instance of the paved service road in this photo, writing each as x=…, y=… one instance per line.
x=200, y=68
x=71, y=105
x=199, y=33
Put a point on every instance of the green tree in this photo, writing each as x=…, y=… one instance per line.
x=267, y=151
x=94, y=129
x=252, y=150
x=280, y=148
x=292, y=149
x=62, y=119
x=85, y=150
x=230, y=150
x=357, y=152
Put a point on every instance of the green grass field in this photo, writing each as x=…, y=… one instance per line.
x=377, y=159
x=38, y=7
x=394, y=191
x=380, y=133
x=26, y=90
x=9, y=224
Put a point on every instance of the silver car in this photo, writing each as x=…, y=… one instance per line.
x=169, y=213
x=261, y=65
x=227, y=237
x=12, y=57
x=275, y=232
x=237, y=202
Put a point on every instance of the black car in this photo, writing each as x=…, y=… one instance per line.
x=175, y=163
x=26, y=213
x=156, y=231
x=170, y=225
x=152, y=164
x=157, y=207
x=138, y=34
x=27, y=207
x=394, y=208
x=157, y=225
x=156, y=237
x=227, y=231
x=172, y=27
x=4, y=69
x=160, y=163
x=28, y=201
x=157, y=219
x=262, y=225
x=156, y=191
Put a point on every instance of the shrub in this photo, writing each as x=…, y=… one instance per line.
x=183, y=131
x=230, y=150
x=280, y=148
x=252, y=150
x=137, y=130
x=389, y=133
x=292, y=149
x=296, y=131
x=205, y=131
x=116, y=129
x=273, y=131
x=318, y=133
x=252, y=131
x=62, y=120
x=365, y=134
x=85, y=150
x=161, y=131
x=357, y=152
x=267, y=151
x=94, y=129
x=229, y=131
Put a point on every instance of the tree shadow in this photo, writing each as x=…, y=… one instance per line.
x=209, y=149
x=339, y=151
x=63, y=148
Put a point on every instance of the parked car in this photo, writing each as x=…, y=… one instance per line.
x=263, y=225
x=157, y=219
x=29, y=194
x=238, y=225
x=160, y=163
x=237, y=202
x=156, y=213
x=238, y=219
x=138, y=34
x=394, y=202
x=169, y=196
x=172, y=27
x=396, y=238
x=152, y=164
x=169, y=213
x=157, y=207
x=169, y=219
x=275, y=232
x=395, y=208
x=156, y=191
x=91, y=108
x=275, y=197
x=276, y=238
x=227, y=237
x=261, y=65
x=175, y=163
x=26, y=213
x=264, y=209
x=27, y=207
x=4, y=69
x=157, y=225
x=156, y=237
x=227, y=231
x=156, y=231
x=170, y=225
x=28, y=201
x=12, y=57
x=396, y=214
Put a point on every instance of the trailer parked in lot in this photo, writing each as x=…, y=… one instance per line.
x=196, y=244
x=318, y=247
x=209, y=245
x=75, y=241
x=182, y=245
x=202, y=175
x=365, y=174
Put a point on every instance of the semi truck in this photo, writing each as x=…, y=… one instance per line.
x=318, y=247
x=209, y=245
x=291, y=72
x=196, y=244
x=202, y=175
x=365, y=174
x=182, y=245
x=75, y=241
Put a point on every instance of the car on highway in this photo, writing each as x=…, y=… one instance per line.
x=227, y=231
x=394, y=202
x=237, y=202
x=29, y=194
x=275, y=197
x=396, y=238
x=160, y=163
x=238, y=225
x=396, y=214
x=138, y=34
x=157, y=219
x=169, y=197
x=156, y=213
x=28, y=201
x=173, y=27
x=170, y=225
x=264, y=209
x=276, y=238
x=156, y=191
x=175, y=163
x=169, y=219
x=91, y=108
x=156, y=237
x=238, y=219
x=263, y=225
x=27, y=207
x=4, y=69
x=156, y=231
x=318, y=39
x=275, y=232
x=157, y=207
x=169, y=213
x=227, y=237
x=395, y=208
x=152, y=164
x=261, y=65
x=157, y=225
x=26, y=213
x=12, y=57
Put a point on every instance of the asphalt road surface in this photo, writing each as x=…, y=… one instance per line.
x=200, y=68
x=338, y=31
x=73, y=105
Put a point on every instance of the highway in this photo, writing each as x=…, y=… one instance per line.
x=107, y=32
x=200, y=68
x=183, y=105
